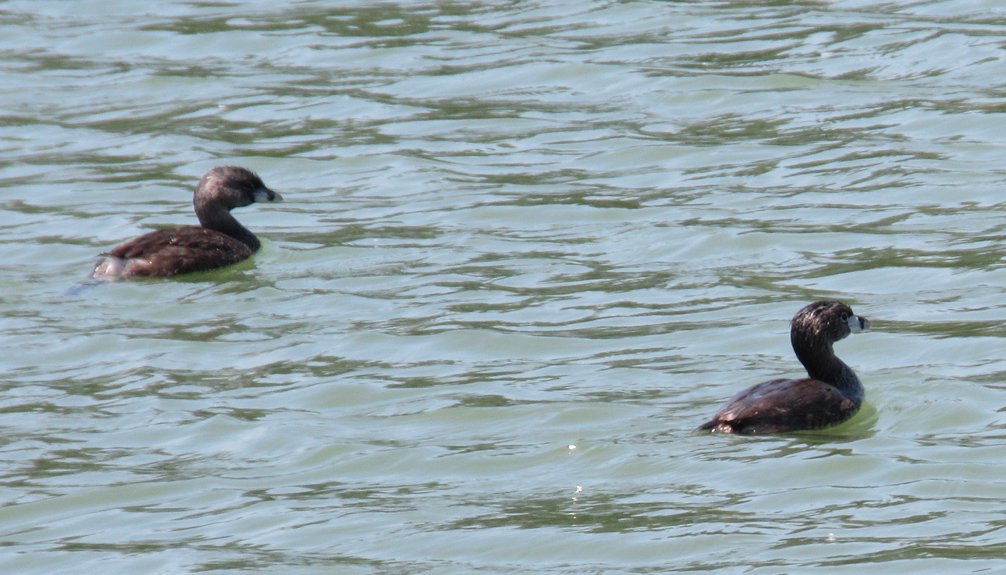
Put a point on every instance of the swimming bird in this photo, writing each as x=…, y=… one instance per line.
x=219, y=241
x=830, y=395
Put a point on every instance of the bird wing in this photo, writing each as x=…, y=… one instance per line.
x=182, y=250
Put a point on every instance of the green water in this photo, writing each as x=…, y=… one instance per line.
x=525, y=249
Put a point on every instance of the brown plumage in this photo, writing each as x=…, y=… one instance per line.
x=219, y=242
x=831, y=395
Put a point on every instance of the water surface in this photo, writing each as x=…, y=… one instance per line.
x=525, y=249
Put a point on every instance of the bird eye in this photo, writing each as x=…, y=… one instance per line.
x=845, y=316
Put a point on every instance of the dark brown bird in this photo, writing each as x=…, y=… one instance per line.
x=831, y=395
x=218, y=242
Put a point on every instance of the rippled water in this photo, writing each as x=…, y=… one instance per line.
x=526, y=248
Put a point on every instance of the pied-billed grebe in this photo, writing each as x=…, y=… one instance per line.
x=828, y=397
x=219, y=242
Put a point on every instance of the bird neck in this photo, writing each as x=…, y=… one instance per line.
x=822, y=364
x=217, y=218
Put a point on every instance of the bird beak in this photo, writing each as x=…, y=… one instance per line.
x=857, y=323
x=264, y=194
